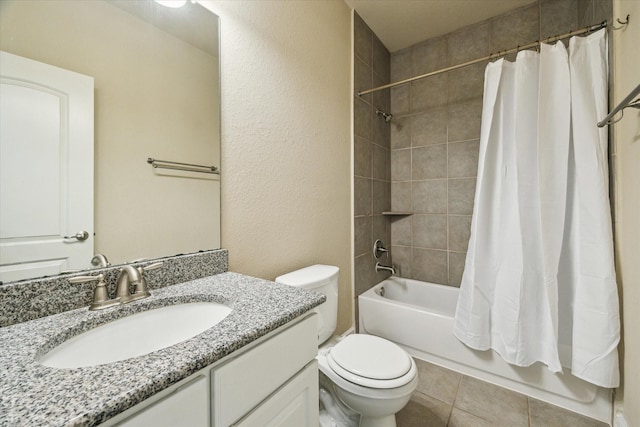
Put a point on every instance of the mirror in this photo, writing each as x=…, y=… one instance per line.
x=156, y=94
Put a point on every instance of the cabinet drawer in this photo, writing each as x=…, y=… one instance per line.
x=243, y=382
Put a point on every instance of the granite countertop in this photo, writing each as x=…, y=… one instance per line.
x=32, y=394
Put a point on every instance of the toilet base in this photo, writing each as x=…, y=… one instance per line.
x=386, y=421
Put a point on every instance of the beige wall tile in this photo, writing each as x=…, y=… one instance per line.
x=464, y=120
x=362, y=234
x=429, y=56
x=362, y=118
x=401, y=257
x=462, y=159
x=456, y=267
x=362, y=79
x=429, y=162
x=381, y=230
x=558, y=17
x=364, y=273
x=400, y=132
x=401, y=231
x=468, y=43
x=429, y=196
x=466, y=83
x=381, y=163
x=459, y=232
x=461, y=194
x=401, y=65
x=429, y=231
x=382, y=98
x=585, y=12
x=381, y=196
x=401, y=165
x=429, y=93
x=429, y=127
x=401, y=100
x=429, y=265
x=401, y=196
x=362, y=196
x=522, y=26
x=602, y=11
x=362, y=157
x=381, y=59
x=362, y=40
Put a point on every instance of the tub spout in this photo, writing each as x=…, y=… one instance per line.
x=391, y=269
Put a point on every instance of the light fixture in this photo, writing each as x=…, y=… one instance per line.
x=172, y=3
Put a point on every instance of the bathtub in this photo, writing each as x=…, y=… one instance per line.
x=418, y=316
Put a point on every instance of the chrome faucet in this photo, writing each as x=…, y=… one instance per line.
x=128, y=276
x=392, y=268
x=99, y=260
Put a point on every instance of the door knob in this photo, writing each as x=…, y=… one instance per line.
x=80, y=236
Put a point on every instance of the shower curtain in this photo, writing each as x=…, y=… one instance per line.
x=539, y=281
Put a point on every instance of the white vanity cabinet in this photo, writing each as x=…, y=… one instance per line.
x=271, y=382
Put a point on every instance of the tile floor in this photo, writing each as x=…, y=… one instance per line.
x=447, y=398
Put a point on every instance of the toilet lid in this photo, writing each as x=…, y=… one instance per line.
x=371, y=357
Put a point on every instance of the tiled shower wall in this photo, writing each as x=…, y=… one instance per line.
x=436, y=128
x=372, y=167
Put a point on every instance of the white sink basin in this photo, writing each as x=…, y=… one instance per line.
x=135, y=335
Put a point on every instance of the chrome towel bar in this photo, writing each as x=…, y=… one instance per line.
x=166, y=164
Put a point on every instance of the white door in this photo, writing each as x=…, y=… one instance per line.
x=46, y=169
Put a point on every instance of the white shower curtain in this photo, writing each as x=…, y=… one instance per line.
x=539, y=281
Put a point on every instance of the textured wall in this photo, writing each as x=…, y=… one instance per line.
x=436, y=128
x=626, y=167
x=372, y=168
x=286, y=145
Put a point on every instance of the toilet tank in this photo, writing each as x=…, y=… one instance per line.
x=323, y=279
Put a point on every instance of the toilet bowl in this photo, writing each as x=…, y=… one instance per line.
x=370, y=375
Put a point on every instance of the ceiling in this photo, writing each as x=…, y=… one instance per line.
x=402, y=23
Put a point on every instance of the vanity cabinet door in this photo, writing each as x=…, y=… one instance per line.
x=245, y=381
x=188, y=405
x=294, y=405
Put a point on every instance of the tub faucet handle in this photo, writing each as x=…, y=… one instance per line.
x=379, y=249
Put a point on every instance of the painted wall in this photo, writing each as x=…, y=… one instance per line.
x=626, y=167
x=138, y=212
x=286, y=145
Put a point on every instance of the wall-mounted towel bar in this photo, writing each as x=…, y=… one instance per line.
x=165, y=164
x=629, y=101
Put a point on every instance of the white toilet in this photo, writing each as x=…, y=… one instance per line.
x=370, y=375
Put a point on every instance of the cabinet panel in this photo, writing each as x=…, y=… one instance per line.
x=241, y=384
x=187, y=406
x=294, y=405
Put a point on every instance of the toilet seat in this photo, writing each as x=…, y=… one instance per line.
x=370, y=361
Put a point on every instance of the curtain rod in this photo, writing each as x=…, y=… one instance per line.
x=491, y=56
x=625, y=103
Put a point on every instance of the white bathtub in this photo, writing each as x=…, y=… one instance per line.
x=419, y=317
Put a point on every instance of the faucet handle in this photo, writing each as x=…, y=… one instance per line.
x=379, y=249
x=142, y=290
x=149, y=267
x=100, y=294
